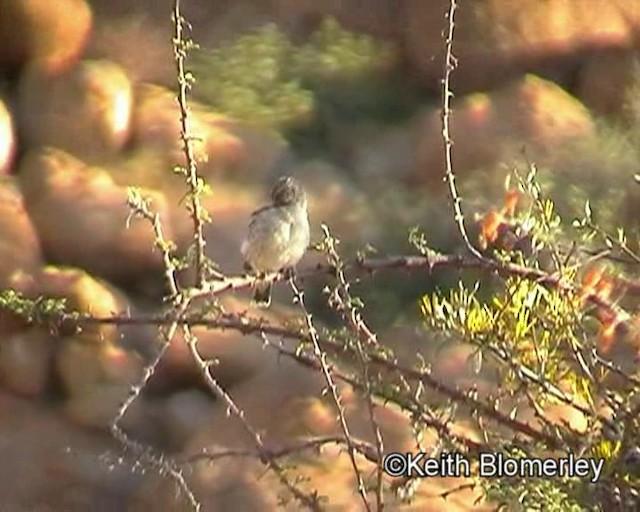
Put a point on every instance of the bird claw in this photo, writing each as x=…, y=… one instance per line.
x=289, y=273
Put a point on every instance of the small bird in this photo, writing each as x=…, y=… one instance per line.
x=278, y=236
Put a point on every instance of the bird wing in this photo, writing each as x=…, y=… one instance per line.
x=267, y=244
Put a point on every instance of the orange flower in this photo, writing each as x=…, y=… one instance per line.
x=604, y=288
x=595, y=282
x=607, y=334
x=491, y=224
x=592, y=277
x=510, y=203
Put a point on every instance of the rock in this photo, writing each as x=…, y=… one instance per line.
x=20, y=252
x=50, y=464
x=78, y=366
x=85, y=295
x=239, y=357
x=498, y=40
x=98, y=406
x=185, y=413
x=97, y=380
x=157, y=124
x=153, y=60
x=606, y=80
x=85, y=110
x=277, y=402
x=285, y=403
x=83, y=365
x=8, y=142
x=25, y=361
x=91, y=228
x=49, y=34
x=19, y=245
x=242, y=483
x=489, y=128
x=226, y=484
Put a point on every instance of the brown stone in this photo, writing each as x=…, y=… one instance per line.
x=8, y=142
x=85, y=295
x=25, y=361
x=157, y=124
x=500, y=39
x=19, y=245
x=85, y=110
x=486, y=129
x=185, y=413
x=50, y=34
x=239, y=357
x=606, y=81
x=97, y=380
x=153, y=61
x=91, y=227
x=19, y=251
x=49, y=464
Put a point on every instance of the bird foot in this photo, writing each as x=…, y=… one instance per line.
x=289, y=272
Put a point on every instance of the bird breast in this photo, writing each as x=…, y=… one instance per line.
x=278, y=237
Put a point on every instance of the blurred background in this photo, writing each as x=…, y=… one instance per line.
x=343, y=94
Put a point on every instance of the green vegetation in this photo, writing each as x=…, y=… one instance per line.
x=266, y=79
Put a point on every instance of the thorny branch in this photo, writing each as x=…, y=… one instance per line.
x=195, y=183
x=450, y=63
x=380, y=379
x=321, y=357
x=342, y=301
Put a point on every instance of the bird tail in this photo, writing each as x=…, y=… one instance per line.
x=262, y=294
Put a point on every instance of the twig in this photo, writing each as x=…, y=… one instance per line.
x=321, y=357
x=450, y=63
x=194, y=182
x=313, y=443
x=341, y=298
x=140, y=207
x=310, y=501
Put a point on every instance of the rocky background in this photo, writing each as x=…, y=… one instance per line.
x=351, y=106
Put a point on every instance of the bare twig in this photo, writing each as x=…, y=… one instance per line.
x=140, y=207
x=311, y=444
x=321, y=357
x=343, y=302
x=194, y=182
x=310, y=501
x=450, y=63
x=247, y=326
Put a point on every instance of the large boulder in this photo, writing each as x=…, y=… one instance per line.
x=83, y=219
x=488, y=128
x=222, y=146
x=50, y=34
x=20, y=252
x=26, y=361
x=85, y=110
x=8, y=142
x=608, y=83
x=500, y=39
x=50, y=464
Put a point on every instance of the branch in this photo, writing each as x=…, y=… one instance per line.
x=194, y=182
x=431, y=262
x=450, y=63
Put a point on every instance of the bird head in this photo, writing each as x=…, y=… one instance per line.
x=287, y=191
